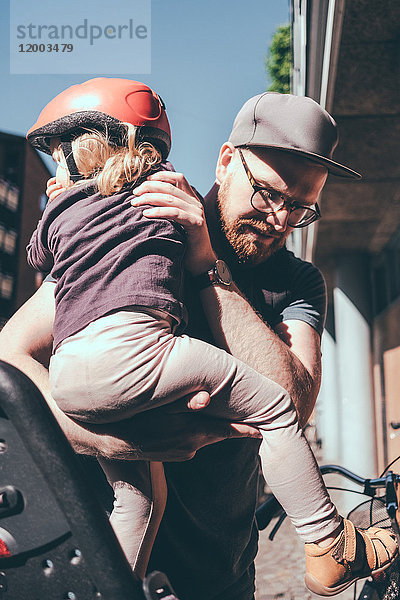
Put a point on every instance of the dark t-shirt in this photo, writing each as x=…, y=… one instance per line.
x=208, y=539
x=105, y=255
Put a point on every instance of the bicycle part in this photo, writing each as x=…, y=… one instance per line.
x=267, y=511
x=277, y=525
x=371, y=513
x=157, y=587
x=385, y=587
x=392, y=504
x=58, y=542
x=369, y=485
x=389, y=465
x=368, y=592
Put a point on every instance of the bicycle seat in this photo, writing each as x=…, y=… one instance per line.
x=55, y=538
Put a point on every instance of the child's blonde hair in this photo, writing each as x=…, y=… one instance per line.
x=108, y=165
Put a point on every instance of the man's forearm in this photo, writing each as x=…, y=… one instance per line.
x=154, y=435
x=238, y=329
x=175, y=435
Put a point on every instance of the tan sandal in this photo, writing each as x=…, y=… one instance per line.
x=354, y=554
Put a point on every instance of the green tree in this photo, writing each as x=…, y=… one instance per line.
x=279, y=60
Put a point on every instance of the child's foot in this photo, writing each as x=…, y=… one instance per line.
x=354, y=554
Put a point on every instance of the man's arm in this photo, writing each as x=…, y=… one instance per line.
x=171, y=433
x=25, y=342
x=290, y=355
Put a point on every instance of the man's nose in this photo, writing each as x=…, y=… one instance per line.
x=279, y=219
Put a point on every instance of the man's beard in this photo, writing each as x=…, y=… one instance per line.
x=241, y=233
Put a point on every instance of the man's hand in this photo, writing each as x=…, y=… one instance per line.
x=167, y=434
x=53, y=189
x=171, y=197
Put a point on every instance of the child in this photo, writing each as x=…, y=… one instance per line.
x=118, y=343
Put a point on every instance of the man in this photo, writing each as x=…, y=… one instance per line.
x=269, y=313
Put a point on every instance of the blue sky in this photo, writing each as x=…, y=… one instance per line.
x=207, y=60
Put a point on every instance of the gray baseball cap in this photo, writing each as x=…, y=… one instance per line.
x=290, y=123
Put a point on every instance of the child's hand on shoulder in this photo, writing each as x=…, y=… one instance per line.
x=53, y=189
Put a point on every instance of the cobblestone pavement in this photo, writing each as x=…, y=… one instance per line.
x=280, y=568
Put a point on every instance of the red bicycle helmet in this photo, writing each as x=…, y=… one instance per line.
x=104, y=104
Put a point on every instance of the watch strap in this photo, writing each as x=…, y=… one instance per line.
x=219, y=273
x=204, y=280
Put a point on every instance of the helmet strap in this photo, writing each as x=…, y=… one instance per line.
x=74, y=174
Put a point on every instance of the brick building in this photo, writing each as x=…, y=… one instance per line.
x=23, y=177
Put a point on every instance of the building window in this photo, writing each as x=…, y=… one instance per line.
x=9, y=241
x=13, y=198
x=6, y=286
x=3, y=191
x=9, y=195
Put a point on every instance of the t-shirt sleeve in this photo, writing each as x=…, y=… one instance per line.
x=307, y=297
x=38, y=255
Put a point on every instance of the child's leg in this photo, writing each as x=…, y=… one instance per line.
x=140, y=493
x=129, y=362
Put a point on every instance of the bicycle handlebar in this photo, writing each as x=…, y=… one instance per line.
x=369, y=484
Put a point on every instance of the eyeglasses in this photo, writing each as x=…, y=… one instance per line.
x=269, y=201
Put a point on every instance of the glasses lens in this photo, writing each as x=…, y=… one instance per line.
x=302, y=216
x=266, y=202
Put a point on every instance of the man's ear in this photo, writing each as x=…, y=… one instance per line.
x=224, y=159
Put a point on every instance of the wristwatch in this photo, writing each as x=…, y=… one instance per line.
x=220, y=273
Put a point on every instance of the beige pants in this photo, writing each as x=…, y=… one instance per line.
x=128, y=362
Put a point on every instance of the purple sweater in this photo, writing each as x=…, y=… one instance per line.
x=105, y=255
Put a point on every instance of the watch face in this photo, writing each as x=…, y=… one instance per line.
x=223, y=272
